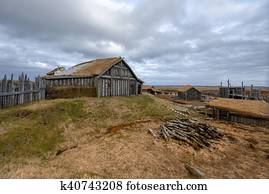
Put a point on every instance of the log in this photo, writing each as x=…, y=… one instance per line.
x=192, y=132
x=164, y=133
x=152, y=133
x=61, y=150
x=194, y=171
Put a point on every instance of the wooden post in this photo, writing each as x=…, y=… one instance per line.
x=39, y=87
x=31, y=92
x=13, y=91
x=136, y=88
x=22, y=89
x=218, y=114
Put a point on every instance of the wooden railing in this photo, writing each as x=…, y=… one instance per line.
x=21, y=91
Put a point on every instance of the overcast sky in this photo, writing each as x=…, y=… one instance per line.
x=200, y=42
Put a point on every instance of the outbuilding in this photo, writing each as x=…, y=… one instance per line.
x=250, y=112
x=150, y=90
x=188, y=92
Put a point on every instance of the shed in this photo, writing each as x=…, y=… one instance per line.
x=188, y=92
x=150, y=90
x=99, y=77
x=169, y=91
x=251, y=112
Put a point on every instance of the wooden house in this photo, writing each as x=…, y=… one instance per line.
x=188, y=92
x=150, y=90
x=100, y=77
x=250, y=112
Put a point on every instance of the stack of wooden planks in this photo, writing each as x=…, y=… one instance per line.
x=197, y=134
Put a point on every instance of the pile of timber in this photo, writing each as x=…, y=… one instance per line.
x=194, y=133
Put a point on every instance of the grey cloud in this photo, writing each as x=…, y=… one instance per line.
x=166, y=42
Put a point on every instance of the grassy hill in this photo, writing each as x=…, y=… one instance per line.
x=36, y=131
x=109, y=139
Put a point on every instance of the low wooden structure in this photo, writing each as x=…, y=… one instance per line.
x=21, y=91
x=188, y=92
x=169, y=92
x=250, y=112
x=232, y=92
x=238, y=92
x=150, y=90
x=100, y=77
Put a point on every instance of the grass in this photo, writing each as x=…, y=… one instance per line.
x=86, y=174
x=146, y=107
x=123, y=110
x=30, y=133
x=35, y=133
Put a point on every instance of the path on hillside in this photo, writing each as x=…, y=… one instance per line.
x=180, y=109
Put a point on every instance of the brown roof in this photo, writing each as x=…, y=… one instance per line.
x=252, y=108
x=146, y=87
x=94, y=67
x=166, y=88
x=184, y=88
x=90, y=68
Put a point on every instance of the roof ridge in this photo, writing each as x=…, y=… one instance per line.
x=115, y=57
x=90, y=61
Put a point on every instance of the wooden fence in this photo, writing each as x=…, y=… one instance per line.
x=21, y=91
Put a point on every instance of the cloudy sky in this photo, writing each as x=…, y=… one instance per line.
x=164, y=41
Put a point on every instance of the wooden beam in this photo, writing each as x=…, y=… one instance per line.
x=117, y=77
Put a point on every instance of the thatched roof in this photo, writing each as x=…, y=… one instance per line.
x=90, y=68
x=186, y=88
x=251, y=108
x=146, y=87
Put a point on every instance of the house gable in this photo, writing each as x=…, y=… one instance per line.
x=121, y=70
x=193, y=90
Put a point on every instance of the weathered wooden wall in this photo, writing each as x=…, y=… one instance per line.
x=232, y=92
x=70, y=81
x=249, y=121
x=229, y=116
x=15, y=92
x=118, y=81
x=191, y=94
x=169, y=92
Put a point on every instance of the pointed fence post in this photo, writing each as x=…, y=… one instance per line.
x=22, y=89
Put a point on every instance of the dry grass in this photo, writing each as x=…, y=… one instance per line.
x=131, y=152
x=253, y=108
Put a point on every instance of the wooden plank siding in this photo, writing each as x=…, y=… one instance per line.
x=77, y=81
x=191, y=94
x=118, y=81
x=117, y=87
x=230, y=116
